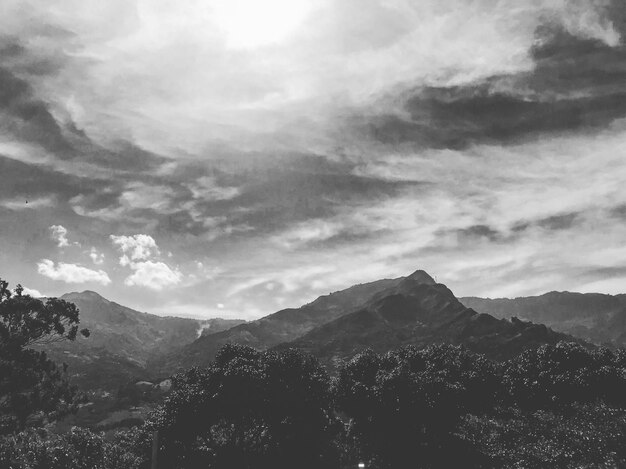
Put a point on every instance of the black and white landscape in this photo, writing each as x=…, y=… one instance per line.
x=312, y=233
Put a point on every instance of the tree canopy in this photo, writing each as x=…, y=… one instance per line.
x=33, y=387
x=250, y=409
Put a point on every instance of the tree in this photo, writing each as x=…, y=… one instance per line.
x=404, y=405
x=557, y=376
x=249, y=410
x=79, y=448
x=588, y=436
x=31, y=385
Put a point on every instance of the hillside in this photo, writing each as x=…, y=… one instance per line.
x=283, y=326
x=418, y=311
x=593, y=316
x=122, y=341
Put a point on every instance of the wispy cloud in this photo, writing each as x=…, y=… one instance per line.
x=206, y=188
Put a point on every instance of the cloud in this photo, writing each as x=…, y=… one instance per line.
x=59, y=235
x=138, y=252
x=309, y=232
x=32, y=292
x=153, y=275
x=206, y=188
x=367, y=139
x=96, y=256
x=71, y=273
x=18, y=204
x=138, y=195
x=576, y=84
x=19, y=102
x=337, y=56
x=558, y=222
x=476, y=233
x=139, y=247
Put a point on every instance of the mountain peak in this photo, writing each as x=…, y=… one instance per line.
x=87, y=294
x=420, y=276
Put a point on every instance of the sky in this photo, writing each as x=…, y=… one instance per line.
x=231, y=158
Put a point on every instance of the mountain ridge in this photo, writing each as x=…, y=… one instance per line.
x=382, y=315
x=598, y=317
x=282, y=326
x=420, y=312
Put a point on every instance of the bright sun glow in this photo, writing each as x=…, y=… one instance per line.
x=255, y=23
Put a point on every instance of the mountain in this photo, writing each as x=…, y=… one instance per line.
x=593, y=316
x=284, y=326
x=418, y=311
x=122, y=341
x=381, y=315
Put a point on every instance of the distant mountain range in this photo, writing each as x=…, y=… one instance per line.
x=592, y=316
x=127, y=345
x=129, y=351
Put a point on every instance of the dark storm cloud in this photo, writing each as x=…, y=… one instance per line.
x=577, y=84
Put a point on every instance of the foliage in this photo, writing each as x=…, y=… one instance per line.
x=78, y=449
x=30, y=384
x=406, y=403
x=250, y=409
x=559, y=375
x=554, y=407
x=587, y=436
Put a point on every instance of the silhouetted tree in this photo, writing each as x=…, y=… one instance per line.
x=30, y=383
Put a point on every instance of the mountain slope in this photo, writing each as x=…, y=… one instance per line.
x=283, y=326
x=381, y=315
x=418, y=311
x=122, y=341
x=593, y=316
